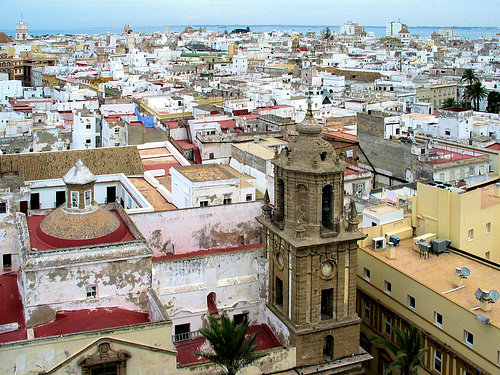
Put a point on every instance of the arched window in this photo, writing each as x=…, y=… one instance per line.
x=323, y=156
x=327, y=207
x=302, y=204
x=212, y=303
x=328, y=348
x=280, y=202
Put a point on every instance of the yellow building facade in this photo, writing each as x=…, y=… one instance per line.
x=468, y=218
x=400, y=286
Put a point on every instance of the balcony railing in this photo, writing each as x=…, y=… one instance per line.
x=186, y=336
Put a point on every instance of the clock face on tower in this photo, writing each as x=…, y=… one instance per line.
x=327, y=269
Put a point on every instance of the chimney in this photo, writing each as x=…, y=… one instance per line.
x=485, y=305
x=391, y=251
x=458, y=280
x=256, y=139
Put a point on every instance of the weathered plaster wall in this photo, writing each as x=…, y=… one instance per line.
x=187, y=230
x=148, y=344
x=183, y=285
x=58, y=280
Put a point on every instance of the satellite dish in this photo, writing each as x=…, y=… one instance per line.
x=494, y=295
x=479, y=294
x=465, y=271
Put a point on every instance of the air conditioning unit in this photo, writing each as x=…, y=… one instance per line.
x=378, y=243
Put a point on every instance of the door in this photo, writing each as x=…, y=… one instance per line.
x=111, y=194
x=60, y=197
x=35, y=201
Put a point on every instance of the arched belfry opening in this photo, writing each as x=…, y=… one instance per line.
x=327, y=207
x=280, y=200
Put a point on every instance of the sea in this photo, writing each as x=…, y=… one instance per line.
x=378, y=31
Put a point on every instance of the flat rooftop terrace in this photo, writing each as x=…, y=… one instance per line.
x=436, y=273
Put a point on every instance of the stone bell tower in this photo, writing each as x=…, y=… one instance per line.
x=311, y=246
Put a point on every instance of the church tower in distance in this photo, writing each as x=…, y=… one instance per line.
x=311, y=246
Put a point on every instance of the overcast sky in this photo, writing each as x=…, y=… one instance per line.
x=64, y=14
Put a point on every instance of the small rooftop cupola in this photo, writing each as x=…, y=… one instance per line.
x=80, y=188
x=80, y=221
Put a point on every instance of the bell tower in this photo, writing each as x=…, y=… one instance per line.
x=311, y=246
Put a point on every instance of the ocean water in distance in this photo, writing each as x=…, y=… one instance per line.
x=378, y=31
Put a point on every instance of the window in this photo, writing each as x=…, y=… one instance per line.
x=498, y=358
x=366, y=310
x=182, y=332
x=249, y=197
x=411, y=302
x=117, y=144
x=488, y=228
x=88, y=198
x=240, y=318
x=327, y=304
x=117, y=130
x=367, y=274
x=388, y=325
x=87, y=126
x=278, y=293
x=7, y=262
x=468, y=338
x=88, y=141
x=470, y=234
x=438, y=360
x=447, y=132
x=358, y=189
x=75, y=197
x=438, y=319
x=203, y=203
x=227, y=201
x=388, y=287
x=91, y=291
x=3, y=207
x=487, y=255
x=328, y=353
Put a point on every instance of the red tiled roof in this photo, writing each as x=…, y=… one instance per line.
x=273, y=107
x=202, y=252
x=11, y=308
x=89, y=320
x=494, y=146
x=185, y=349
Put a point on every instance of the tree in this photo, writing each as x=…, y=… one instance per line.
x=493, y=102
x=469, y=77
x=449, y=102
x=465, y=104
x=407, y=350
x=475, y=92
x=231, y=350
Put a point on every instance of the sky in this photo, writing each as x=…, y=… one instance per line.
x=74, y=14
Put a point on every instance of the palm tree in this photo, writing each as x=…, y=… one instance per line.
x=230, y=349
x=465, y=104
x=469, y=77
x=407, y=350
x=475, y=92
x=449, y=102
